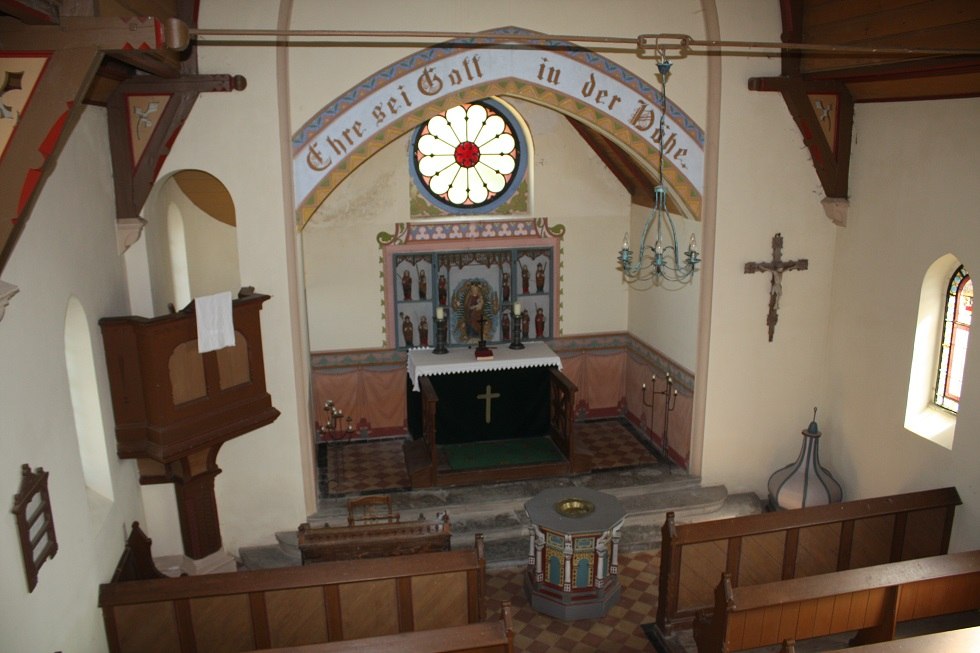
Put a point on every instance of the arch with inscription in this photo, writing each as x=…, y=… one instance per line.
x=563, y=76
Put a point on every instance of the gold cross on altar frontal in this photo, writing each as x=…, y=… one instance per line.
x=775, y=268
x=488, y=397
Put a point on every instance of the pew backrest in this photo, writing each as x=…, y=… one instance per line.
x=870, y=600
x=771, y=546
x=294, y=606
x=487, y=637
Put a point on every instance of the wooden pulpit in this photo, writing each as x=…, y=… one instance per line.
x=174, y=407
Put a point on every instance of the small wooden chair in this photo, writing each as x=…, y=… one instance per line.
x=371, y=509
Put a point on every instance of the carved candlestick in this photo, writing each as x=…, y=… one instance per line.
x=442, y=334
x=515, y=339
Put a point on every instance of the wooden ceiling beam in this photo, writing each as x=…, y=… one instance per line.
x=65, y=59
x=824, y=114
x=140, y=135
x=32, y=12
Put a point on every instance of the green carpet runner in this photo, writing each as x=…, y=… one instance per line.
x=501, y=453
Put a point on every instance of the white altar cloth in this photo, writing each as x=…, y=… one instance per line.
x=422, y=362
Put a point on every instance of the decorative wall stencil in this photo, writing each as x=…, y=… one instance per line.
x=20, y=74
x=472, y=273
x=144, y=113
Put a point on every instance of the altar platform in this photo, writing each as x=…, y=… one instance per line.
x=353, y=468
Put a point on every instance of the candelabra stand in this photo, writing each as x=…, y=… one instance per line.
x=333, y=431
x=335, y=416
x=442, y=334
x=670, y=399
x=515, y=338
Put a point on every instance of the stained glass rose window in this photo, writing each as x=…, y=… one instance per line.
x=469, y=158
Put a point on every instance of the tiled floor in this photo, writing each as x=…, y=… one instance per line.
x=354, y=467
x=619, y=631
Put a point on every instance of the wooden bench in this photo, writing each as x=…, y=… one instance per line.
x=947, y=641
x=871, y=601
x=373, y=540
x=773, y=546
x=293, y=606
x=488, y=637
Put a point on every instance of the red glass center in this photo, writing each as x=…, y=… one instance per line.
x=467, y=154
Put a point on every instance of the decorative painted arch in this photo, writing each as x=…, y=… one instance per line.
x=561, y=75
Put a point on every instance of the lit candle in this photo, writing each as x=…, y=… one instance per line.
x=694, y=243
x=517, y=308
x=440, y=313
x=626, y=240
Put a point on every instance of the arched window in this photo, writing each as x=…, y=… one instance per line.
x=87, y=410
x=470, y=158
x=958, y=311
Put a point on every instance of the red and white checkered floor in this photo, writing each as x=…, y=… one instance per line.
x=357, y=467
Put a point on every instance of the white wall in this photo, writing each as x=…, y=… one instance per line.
x=68, y=247
x=914, y=198
x=761, y=394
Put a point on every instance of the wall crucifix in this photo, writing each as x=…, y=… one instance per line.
x=775, y=268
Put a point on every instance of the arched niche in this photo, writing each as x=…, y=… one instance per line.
x=191, y=239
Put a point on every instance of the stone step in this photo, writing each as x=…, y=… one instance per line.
x=497, y=511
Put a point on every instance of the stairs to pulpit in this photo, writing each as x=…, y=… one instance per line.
x=496, y=510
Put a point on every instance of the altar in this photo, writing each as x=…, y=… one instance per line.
x=498, y=399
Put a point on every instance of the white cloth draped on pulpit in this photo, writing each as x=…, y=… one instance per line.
x=215, y=324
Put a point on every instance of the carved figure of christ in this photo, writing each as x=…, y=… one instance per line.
x=775, y=268
x=488, y=398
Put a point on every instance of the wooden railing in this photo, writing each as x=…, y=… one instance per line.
x=373, y=540
x=755, y=549
x=561, y=407
x=871, y=601
x=294, y=606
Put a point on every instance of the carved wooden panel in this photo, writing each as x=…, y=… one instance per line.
x=762, y=558
x=222, y=624
x=296, y=616
x=147, y=627
x=433, y=597
x=369, y=608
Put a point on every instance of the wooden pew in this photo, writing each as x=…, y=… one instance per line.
x=373, y=540
x=488, y=637
x=773, y=546
x=293, y=606
x=872, y=601
x=948, y=641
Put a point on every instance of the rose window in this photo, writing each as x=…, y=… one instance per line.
x=469, y=157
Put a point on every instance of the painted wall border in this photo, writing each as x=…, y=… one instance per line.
x=566, y=77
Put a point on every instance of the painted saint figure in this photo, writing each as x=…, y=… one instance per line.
x=525, y=279
x=423, y=285
x=406, y=285
x=505, y=325
x=539, y=278
x=473, y=311
x=505, y=287
x=424, y=331
x=525, y=324
x=539, y=323
x=442, y=290
x=408, y=331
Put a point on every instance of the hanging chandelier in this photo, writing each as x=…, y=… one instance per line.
x=664, y=263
